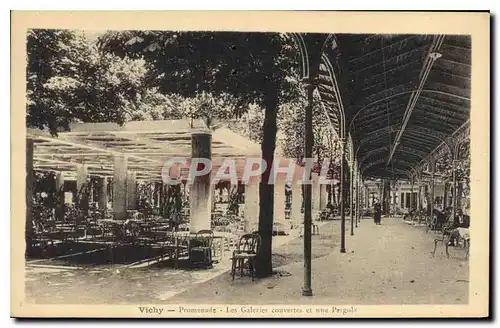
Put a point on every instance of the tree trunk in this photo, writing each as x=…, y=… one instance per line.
x=264, y=266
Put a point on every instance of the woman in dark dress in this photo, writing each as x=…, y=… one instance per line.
x=377, y=213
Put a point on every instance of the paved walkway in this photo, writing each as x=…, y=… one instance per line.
x=386, y=264
x=57, y=282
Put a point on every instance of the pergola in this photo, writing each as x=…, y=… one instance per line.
x=138, y=151
x=146, y=144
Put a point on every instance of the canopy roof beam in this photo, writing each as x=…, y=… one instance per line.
x=432, y=57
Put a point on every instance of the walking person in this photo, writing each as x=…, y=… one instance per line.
x=377, y=215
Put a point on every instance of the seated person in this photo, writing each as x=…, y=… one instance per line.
x=460, y=222
x=440, y=218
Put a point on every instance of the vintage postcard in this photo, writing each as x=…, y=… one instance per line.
x=250, y=164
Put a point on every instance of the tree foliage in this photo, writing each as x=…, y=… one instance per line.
x=244, y=65
x=70, y=80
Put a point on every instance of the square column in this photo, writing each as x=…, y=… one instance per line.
x=316, y=193
x=81, y=178
x=252, y=207
x=120, y=187
x=323, y=196
x=103, y=193
x=200, y=200
x=131, y=191
x=296, y=215
x=60, y=196
x=212, y=197
x=81, y=187
x=279, y=201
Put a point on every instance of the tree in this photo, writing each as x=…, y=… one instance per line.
x=254, y=68
x=70, y=80
x=249, y=124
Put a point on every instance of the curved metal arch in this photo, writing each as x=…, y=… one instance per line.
x=418, y=139
x=449, y=147
x=398, y=172
x=402, y=165
x=423, y=163
x=333, y=79
x=304, y=57
x=325, y=109
x=417, y=152
x=377, y=150
x=375, y=133
x=400, y=161
x=378, y=161
x=430, y=135
x=365, y=141
x=407, y=173
x=371, y=164
x=303, y=53
x=458, y=144
x=372, y=152
x=329, y=37
x=397, y=95
x=350, y=150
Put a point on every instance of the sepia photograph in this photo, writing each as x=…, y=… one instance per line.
x=325, y=169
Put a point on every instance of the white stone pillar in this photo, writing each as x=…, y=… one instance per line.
x=81, y=177
x=60, y=196
x=316, y=194
x=252, y=207
x=296, y=215
x=200, y=202
x=103, y=193
x=120, y=187
x=323, y=194
x=81, y=185
x=279, y=201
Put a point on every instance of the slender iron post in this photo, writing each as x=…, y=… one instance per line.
x=342, y=196
x=357, y=198
x=29, y=229
x=351, y=197
x=454, y=190
x=308, y=144
x=433, y=168
x=411, y=193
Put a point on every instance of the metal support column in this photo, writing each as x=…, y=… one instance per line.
x=307, y=289
x=351, y=197
x=342, y=196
